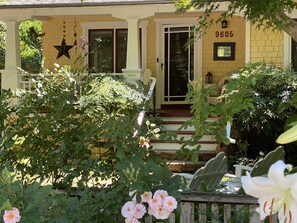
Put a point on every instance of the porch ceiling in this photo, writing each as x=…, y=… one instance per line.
x=76, y=3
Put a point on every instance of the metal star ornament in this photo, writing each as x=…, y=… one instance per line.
x=63, y=49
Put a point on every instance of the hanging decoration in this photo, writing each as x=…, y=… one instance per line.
x=75, y=33
x=63, y=48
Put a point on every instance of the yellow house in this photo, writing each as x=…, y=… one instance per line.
x=132, y=36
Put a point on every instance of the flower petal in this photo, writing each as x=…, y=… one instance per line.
x=260, y=186
x=276, y=173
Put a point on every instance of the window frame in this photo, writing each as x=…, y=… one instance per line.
x=86, y=26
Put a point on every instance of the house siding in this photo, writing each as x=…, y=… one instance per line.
x=54, y=34
x=267, y=46
x=222, y=68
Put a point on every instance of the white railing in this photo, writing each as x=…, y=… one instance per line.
x=1, y=80
x=26, y=79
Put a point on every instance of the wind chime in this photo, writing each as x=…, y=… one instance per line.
x=64, y=48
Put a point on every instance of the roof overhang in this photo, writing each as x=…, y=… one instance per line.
x=83, y=4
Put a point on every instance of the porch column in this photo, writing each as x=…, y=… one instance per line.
x=12, y=56
x=133, y=50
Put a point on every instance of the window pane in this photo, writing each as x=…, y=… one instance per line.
x=101, y=51
x=294, y=55
x=121, y=49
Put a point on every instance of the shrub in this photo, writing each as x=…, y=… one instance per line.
x=250, y=101
x=262, y=123
x=50, y=134
x=48, y=138
x=31, y=47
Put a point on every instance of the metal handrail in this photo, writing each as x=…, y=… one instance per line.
x=147, y=99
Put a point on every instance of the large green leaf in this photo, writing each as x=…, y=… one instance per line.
x=208, y=177
x=262, y=166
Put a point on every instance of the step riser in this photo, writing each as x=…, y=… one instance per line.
x=175, y=127
x=186, y=137
x=175, y=147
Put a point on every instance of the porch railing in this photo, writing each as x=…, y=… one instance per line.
x=219, y=208
x=1, y=81
x=26, y=80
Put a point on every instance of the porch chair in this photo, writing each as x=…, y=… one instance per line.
x=219, y=88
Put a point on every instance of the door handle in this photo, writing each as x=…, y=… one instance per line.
x=162, y=66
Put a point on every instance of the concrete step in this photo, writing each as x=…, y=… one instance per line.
x=173, y=124
x=160, y=145
x=186, y=135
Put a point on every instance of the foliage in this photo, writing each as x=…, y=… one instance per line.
x=267, y=13
x=36, y=203
x=261, y=124
x=30, y=46
x=249, y=101
x=50, y=135
x=2, y=44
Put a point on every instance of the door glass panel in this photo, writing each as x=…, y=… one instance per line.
x=294, y=55
x=179, y=63
x=121, y=49
x=101, y=51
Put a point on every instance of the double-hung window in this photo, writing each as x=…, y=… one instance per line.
x=107, y=50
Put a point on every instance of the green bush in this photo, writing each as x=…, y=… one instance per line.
x=31, y=47
x=262, y=123
x=48, y=138
x=250, y=102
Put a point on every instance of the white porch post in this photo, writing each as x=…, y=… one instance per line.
x=12, y=56
x=133, y=49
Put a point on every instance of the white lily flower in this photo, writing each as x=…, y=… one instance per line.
x=276, y=193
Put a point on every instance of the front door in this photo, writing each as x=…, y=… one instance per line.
x=178, y=63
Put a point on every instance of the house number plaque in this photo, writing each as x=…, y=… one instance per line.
x=224, y=34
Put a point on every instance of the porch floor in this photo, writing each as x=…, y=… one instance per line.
x=174, y=111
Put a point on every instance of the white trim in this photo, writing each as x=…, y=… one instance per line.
x=176, y=21
x=86, y=26
x=160, y=22
x=287, y=49
x=247, y=42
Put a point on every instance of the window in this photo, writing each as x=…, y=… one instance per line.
x=107, y=50
x=294, y=55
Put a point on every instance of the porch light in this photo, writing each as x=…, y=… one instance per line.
x=209, y=78
x=224, y=24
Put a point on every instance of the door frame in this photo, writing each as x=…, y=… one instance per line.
x=174, y=22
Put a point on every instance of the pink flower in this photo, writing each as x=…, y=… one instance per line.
x=131, y=220
x=155, y=202
x=128, y=210
x=140, y=211
x=161, y=193
x=159, y=212
x=11, y=216
x=82, y=42
x=146, y=196
x=170, y=203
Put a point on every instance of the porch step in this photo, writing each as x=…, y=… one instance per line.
x=178, y=166
x=160, y=145
x=167, y=150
